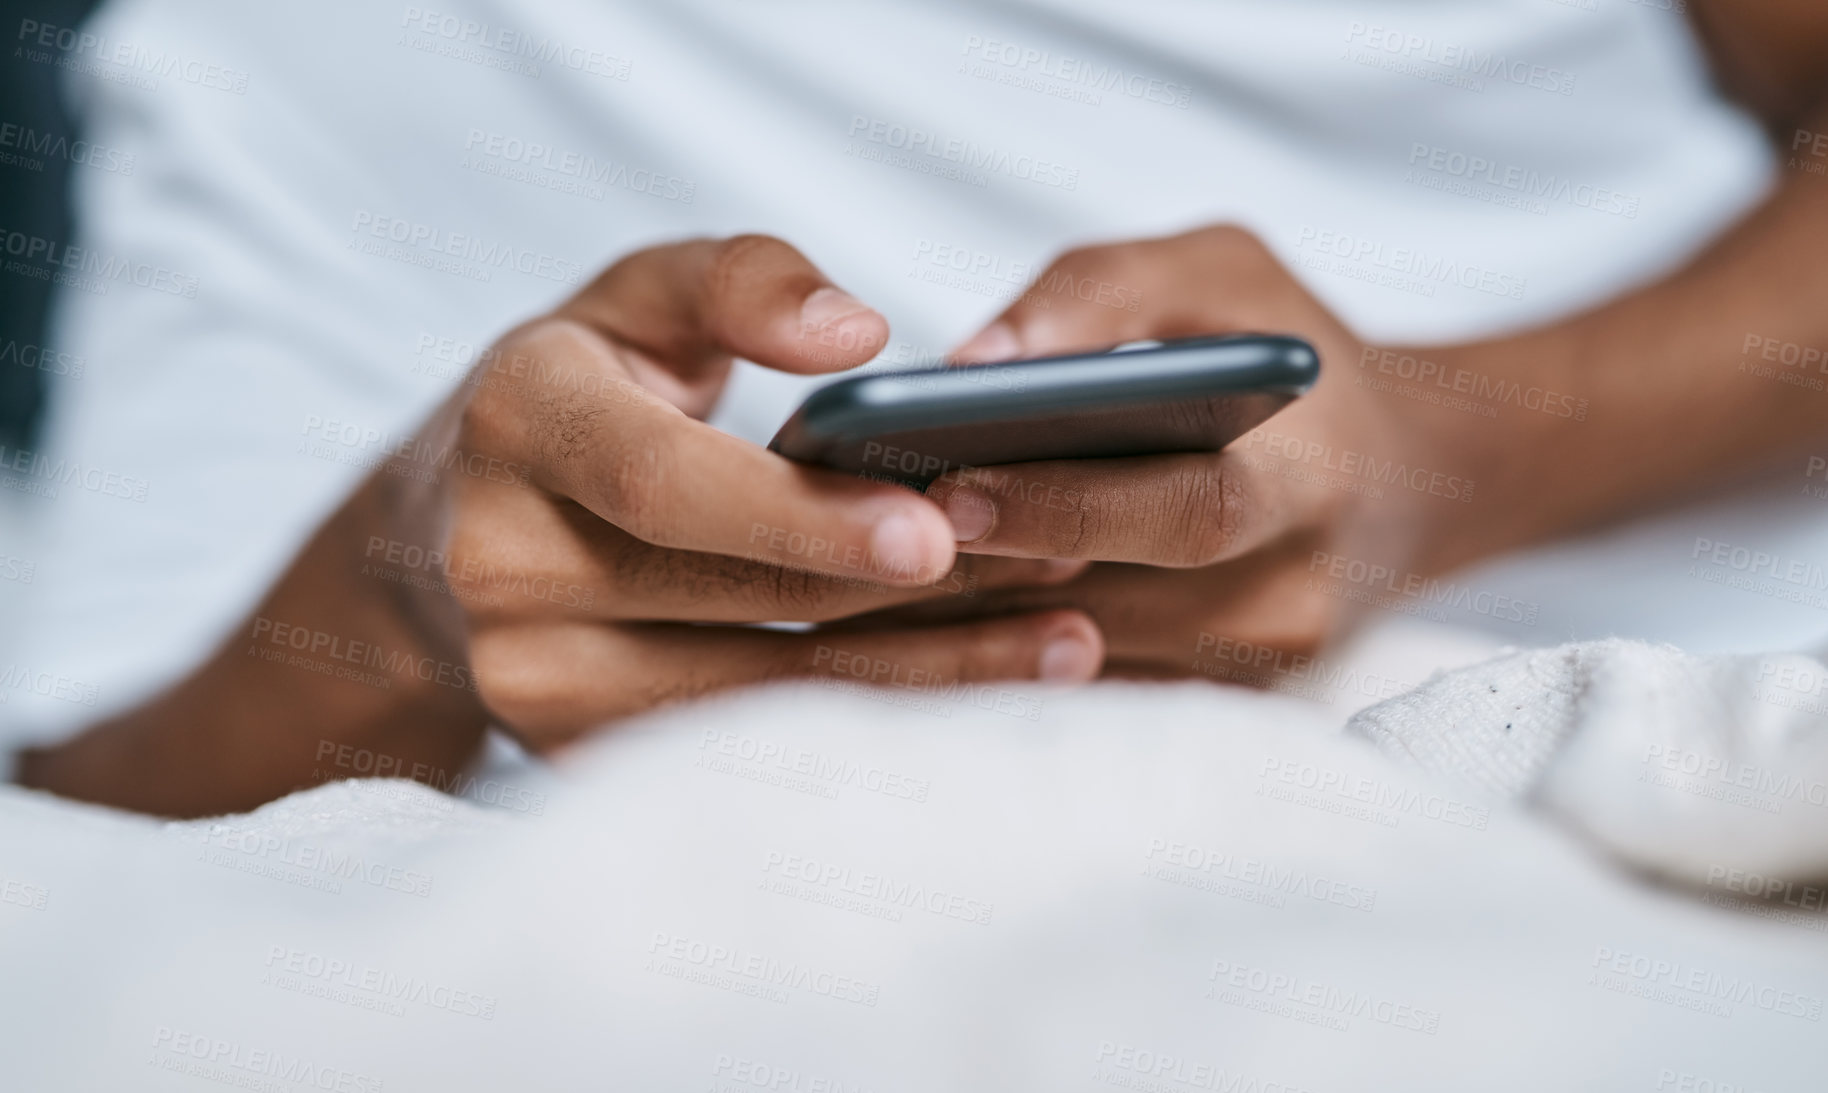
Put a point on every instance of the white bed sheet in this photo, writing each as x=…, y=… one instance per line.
x=192, y=956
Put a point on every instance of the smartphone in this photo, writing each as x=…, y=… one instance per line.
x=1140, y=398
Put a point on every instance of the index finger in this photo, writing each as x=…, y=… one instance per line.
x=693, y=305
x=1208, y=281
x=637, y=461
x=1167, y=510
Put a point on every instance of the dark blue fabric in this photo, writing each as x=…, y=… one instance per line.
x=34, y=202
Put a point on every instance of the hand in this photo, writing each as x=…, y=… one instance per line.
x=1229, y=564
x=592, y=517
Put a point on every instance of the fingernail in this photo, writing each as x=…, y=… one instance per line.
x=996, y=342
x=828, y=306
x=1068, y=658
x=971, y=512
x=904, y=547
x=1062, y=570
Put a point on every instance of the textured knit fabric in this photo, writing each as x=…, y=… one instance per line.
x=1704, y=770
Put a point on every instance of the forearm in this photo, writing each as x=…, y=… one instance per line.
x=335, y=670
x=1672, y=383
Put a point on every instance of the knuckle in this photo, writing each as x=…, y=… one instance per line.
x=741, y=271
x=498, y=565
x=471, y=541
x=637, y=479
x=973, y=657
x=1310, y=619
x=533, y=678
x=571, y=425
x=1309, y=641
x=1080, y=257
x=819, y=655
x=801, y=596
x=490, y=417
x=1069, y=533
x=497, y=410
x=731, y=258
x=993, y=649
x=540, y=346
x=1232, y=256
x=1232, y=240
x=1058, y=522
x=757, y=589
x=512, y=682
x=1102, y=261
x=1200, y=515
x=631, y=266
x=973, y=574
x=641, y=255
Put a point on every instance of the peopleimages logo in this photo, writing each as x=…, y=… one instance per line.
x=1527, y=182
x=394, y=988
x=869, y=885
x=513, y=45
x=267, y=854
x=280, y=636
x=1360, y=465
x=237, y=1064
x=367, y=763
x=18, y=679
x=759, y=970
x=1498, y=390
x=28, y=142
x=1763, y=563
x=592, y=171
x=1288, y=994
x=1195, y=859
x=1409, y=262
x=88, y=269
x=1716, y=776
x=53, y=471
x=1455, y=57
x=773, y=1077
x=721, y=749
x=1153, y=1071
x=1700, y=988
x=53, y=362
x=80, y=50
x=1807, y=897
x=1385, y=803
x=968, y=155
x=1076, y=72
x=1374, y=577
x=1262, y=665
x=483, y=253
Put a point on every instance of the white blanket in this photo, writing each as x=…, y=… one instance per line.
x=1149, y=887
x=1707, y=771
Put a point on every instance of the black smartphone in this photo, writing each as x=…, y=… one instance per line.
x=1140, y=398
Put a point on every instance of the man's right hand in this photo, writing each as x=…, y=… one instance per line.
x=592, y=524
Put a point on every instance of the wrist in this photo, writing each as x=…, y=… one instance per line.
x=336, y=674
x=1492, y=420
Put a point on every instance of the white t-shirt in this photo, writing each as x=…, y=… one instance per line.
x=331, y=208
